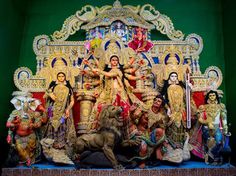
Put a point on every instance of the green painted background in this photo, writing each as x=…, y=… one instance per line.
x=22, y=20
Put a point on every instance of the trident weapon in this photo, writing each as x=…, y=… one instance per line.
x=188, y=105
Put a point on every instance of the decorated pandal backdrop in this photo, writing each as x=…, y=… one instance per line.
x=118, y=91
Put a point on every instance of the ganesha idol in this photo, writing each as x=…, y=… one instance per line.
x=22, y=124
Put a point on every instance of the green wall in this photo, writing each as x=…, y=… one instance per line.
x=22, y=20
x=229, y=28
x=12, y=18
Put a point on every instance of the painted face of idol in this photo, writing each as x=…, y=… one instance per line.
x=114, y=61
x=173, y=77
x=157, y=102
x=61, y=77
x=212, y=96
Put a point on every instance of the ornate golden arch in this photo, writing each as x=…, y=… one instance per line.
x=58, y=62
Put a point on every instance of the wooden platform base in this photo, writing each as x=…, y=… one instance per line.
x=110, y=172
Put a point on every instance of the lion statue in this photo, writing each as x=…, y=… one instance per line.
x=107, y=136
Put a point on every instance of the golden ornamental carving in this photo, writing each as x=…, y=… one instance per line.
x=103, y=9
x=214, y=77
x=87, y=13
x=113, y=49
x=132, y=8
x=171, y=61
x=58, y=62
x=70, y=26
x=149, y=13
x=127, y=14
x=111, y=45
x=210, y=80
x=162, y=22
x=25, y=81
